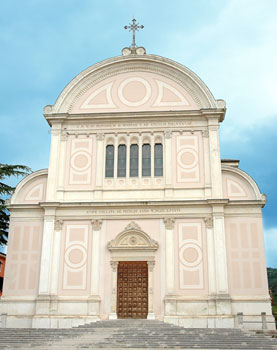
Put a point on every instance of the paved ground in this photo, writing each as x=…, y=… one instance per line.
x=134, y=334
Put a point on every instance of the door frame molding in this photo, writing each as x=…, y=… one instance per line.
x=132, y=244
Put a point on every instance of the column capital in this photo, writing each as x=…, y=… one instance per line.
x=55, y=132
x=209, y=222
x=169, y=223
x=58, y=225
x=151, y=265
x=64, y=136
x=96, y=224
x=114, y=265
x=100, y=137
x=168, y=134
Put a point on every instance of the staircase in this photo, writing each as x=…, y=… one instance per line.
x=134, y=334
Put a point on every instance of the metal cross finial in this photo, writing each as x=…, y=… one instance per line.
x=134, y=27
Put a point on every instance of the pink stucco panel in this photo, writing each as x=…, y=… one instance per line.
x=191, y=273
x=80, y=162
x=187, y=160
x=23, y=258
x=75, y=259
x=246, y=256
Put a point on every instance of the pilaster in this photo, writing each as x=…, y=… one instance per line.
x=168, y=158
x=215, y=162
x=53, y=168
x=62, y=156
x=46, y=263
x=169, y=254
x=113, y=315
x=223, y=301
x=210, y=253
x=207, y=166
x=211, y=265
x=151, y=265
x=99, y=159
x=96, y=228
x=58, y=226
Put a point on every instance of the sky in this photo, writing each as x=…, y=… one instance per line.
x=230, y=44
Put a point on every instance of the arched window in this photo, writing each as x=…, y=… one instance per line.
x=146, y=160
x=121, y=161
x=158, y=159
x=109, y=171
x=134, y=160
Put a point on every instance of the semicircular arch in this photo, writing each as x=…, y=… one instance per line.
x=133, y=238
x=238, y=185
x=147, y=82
x=31, y=189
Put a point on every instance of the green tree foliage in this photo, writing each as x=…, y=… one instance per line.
x=7, y=171
x=272, y=283
x=272, y=279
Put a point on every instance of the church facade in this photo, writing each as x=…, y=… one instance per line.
x=137, y=216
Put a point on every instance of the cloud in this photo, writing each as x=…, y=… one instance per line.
x=270, y=237
x=235, y=55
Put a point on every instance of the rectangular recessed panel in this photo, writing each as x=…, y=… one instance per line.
x=132, y=289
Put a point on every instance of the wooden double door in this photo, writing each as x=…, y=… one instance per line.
x=132, y=289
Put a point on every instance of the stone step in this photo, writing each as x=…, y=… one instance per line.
x=134, y=334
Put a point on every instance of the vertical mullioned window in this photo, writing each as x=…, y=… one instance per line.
x=158, y=159
x=146, y=160
x=109, y=171
x=121, y=161
x=134, y=160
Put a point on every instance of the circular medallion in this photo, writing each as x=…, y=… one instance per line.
x=134, y=92
x=190, y=255
x=75, y=256
x=81, y=161
x=187, y=158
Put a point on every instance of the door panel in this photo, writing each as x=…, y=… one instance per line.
x=132, y=289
